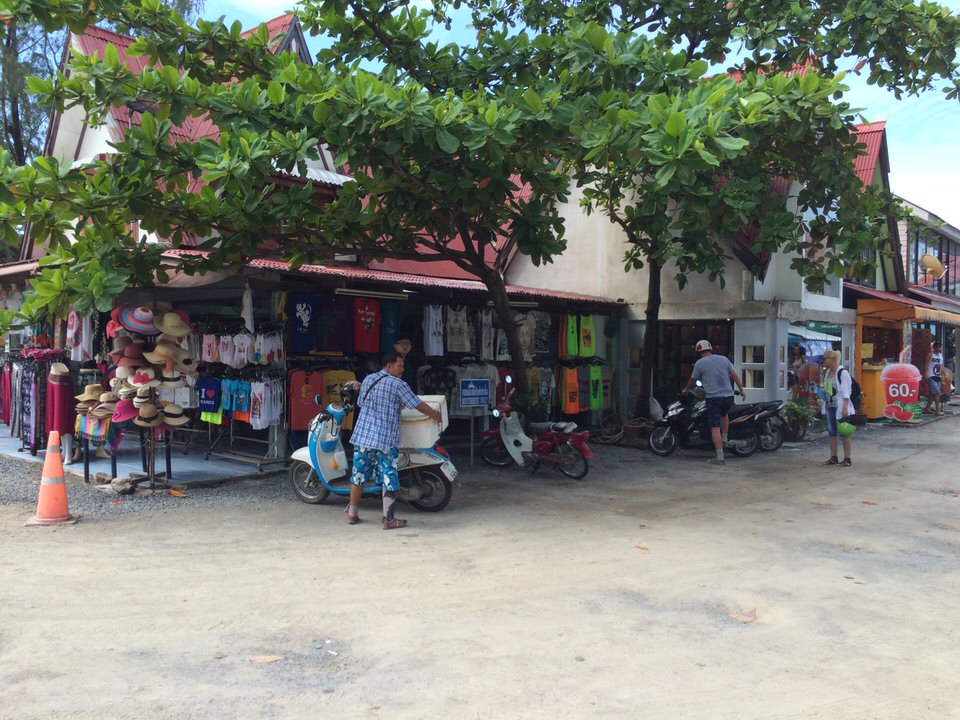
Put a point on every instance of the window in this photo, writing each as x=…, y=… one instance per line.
x=752, y=361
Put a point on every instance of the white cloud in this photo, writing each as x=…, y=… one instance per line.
x=936, y=192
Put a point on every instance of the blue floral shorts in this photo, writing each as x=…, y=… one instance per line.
x=375, y=466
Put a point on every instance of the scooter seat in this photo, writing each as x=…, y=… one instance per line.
x=559, y=427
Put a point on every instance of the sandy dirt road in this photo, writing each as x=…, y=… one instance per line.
x=656, y=588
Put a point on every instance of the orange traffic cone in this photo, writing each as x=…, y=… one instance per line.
x=52, y=504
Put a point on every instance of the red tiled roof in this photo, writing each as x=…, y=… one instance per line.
x=276, y=28
x=449, y=269
x=871, y=135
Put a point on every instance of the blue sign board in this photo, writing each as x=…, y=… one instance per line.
x=474, y=393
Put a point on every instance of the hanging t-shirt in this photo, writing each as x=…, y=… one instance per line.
x=302, y=310
x=389, y=323
x=242, y=350
x=208, y=348
x=571, y=338
x=458, y=330
x=486, y=335
x=304, y=386
x=438, y=381
x=570, y=402
x=208, y=394
x=596, y=387
x=526, y=329
x=433, y=330
x=366, y=325
x=583, y=387
x=588, y=341
x=542, y=347
x=335, y=325
x=607, y=382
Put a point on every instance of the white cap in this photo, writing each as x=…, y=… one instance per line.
x=703, y=346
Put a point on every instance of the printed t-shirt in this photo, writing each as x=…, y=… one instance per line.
x=588, y=340
x=596, y=387
x=389, y=323
x=366, y=325
x=302, y=310
x=570, y=401
x=208, y=394
x=583, y=385
x=304, y=385
x=571, y=339
x=433, y=330
x=458, y=330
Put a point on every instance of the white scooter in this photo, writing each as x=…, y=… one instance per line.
x=322, y=467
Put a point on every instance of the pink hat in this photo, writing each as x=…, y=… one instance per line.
x=138, y=320
x=125, y=410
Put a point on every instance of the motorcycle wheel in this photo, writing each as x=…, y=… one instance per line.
x=772, y=440
x=438, y=489
x=746, y=445
x=571, y=462
x=494, y=452
x=306, y=484
x=662, y=440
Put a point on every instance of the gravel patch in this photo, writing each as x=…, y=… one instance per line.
x=20, y=487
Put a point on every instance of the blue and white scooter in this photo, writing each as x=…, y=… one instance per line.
x=322, y=468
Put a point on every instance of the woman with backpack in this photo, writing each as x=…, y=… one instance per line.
x=836, y=388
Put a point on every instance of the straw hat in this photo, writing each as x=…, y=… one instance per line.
x=58, y=368
x=125, y=410
x=138, y=320
x=144, y=377
x=90, y=393
x=132, y=356
x=148, y=416
x=119, y=343
x=143, y=396
x=104, y=409
x=172, y=323
x=125, y=372
x=164, y=352
x=126, y=392
x=173, y=415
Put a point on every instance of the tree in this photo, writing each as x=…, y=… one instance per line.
x=447, y=161
x=464, y=151
x=682, y=162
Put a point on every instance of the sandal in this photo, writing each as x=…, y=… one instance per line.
x=831, y=461
x=352, y=519
x=394, y=524
x=847, y=462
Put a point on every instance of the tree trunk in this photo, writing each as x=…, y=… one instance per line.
x=501, y=306
x=648, y=362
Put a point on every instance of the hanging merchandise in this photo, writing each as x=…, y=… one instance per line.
x=583, y=387
x=570, y=399
x=366, y=325
x=526, y=330
x=503, y=347
x=486, y=335
x=433, y=330
x=596, y=387
x=570, y=338
x=137, y=320
x=458, y=330
x=335, y=326
x=389, y=323
x=302, y=311
x=333, y=380
x=588, y=346
x=246, y=307
x=543, y=346
x=471, y=371
x=304, y=386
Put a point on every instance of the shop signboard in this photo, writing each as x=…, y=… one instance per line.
x=474, y=393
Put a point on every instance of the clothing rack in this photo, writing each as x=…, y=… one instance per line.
x=274, y=453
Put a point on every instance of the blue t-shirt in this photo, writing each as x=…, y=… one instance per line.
x=208, y=392
x=302, y=315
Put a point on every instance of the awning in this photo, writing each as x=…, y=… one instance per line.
x=890, y=306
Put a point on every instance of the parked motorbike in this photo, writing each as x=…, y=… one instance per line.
x=322, y=468
x=771, y=425
x=685, y=424
x=555, y=443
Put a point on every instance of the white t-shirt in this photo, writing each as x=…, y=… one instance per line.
x=933, y=366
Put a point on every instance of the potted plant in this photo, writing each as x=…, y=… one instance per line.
x=797, y=415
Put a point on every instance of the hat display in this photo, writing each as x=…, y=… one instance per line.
x=58, y=368
x=142, y=396
x=91, y=393
x=104, y=409
x=119, y=343
x=173, y=415
x=125, y=410
x=148, y=416
x=132, y=356
x=125, y=372
x=138, y=320
x=85, y=407
x=126, y=392
x=164, y=352
x=172, y=323
x=144, y=377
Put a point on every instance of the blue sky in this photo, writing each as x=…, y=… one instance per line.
x=923, y=133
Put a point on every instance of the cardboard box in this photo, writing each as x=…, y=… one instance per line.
x=419, y=431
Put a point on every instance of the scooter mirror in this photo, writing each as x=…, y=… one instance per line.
x=699, y=384
x=318, y=399
x=508, y=379
x=496, y=413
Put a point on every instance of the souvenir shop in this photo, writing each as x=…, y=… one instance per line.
x=232, y=370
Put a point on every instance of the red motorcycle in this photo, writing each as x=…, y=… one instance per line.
x=555, y=443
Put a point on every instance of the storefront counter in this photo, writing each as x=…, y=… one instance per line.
x=874, y=396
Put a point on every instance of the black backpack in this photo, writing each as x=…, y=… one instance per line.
x=856, y=394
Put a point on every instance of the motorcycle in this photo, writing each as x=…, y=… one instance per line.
x=322, y=468
x=555, y=443
x=771, y=425
x=685, y=424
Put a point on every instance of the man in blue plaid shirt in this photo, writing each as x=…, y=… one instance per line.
x=377, y=434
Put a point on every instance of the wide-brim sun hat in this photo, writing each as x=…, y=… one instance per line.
x=91, y=393
x=148, y=416
x=137, y=320
x=173, y=415
x=144, y=377
x=125, y=410
x=173, y=324
x=131, y=356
